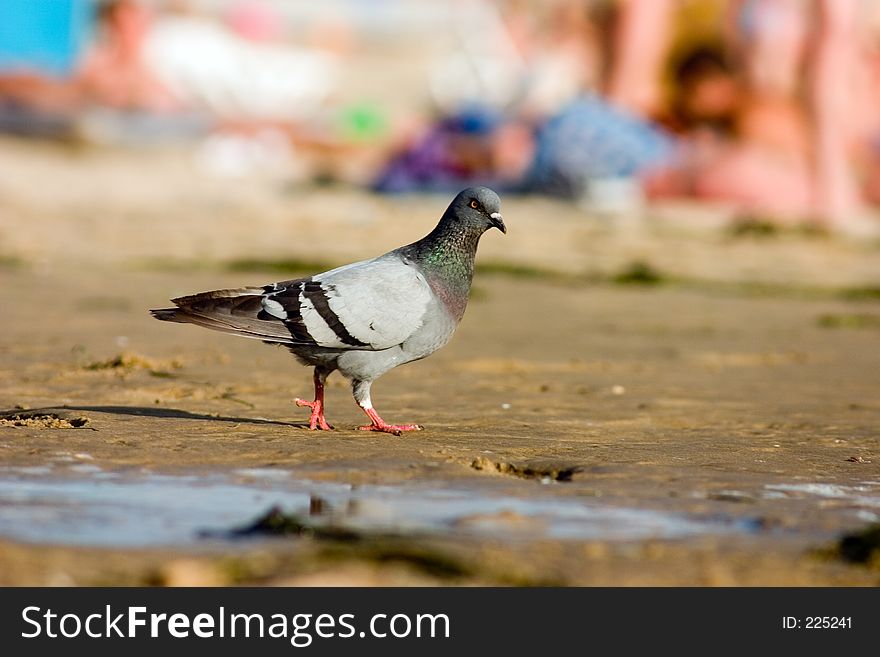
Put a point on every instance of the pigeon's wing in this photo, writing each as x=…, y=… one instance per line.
x=374, y=304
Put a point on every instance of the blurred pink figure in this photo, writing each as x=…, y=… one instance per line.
x=796, y=120
x=767, y=168
x=641, y=41
x=783, y=39
x=114, y=73
x=255, y=20
x=771, y=39
x=832, y=100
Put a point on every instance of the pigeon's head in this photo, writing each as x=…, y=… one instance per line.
x=479, y=208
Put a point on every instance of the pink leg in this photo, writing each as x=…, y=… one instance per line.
x=316, y=421
x=361, y=390
x=380, y=425
x=832, y=104
x=640, y=44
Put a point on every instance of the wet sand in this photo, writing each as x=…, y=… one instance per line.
x=703, y=431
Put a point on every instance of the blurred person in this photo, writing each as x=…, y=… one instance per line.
x=553, y=136
x=743, y=142
x=791, y=118
x=40, y=47
x=867, y=85
x=796, y=50
x=108, y=73
x=455, y=150
x=706, y=92
x=770, y=39
x=832, y=102
x=785, y=42
x=642, y=36
x=736, y=147
x=114, y=73
x=209, y=66
x=561, y=54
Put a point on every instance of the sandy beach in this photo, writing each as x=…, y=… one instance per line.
x=657, y=399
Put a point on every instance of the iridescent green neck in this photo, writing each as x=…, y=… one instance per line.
x=446, y=256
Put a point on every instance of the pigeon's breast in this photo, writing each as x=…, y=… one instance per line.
x=452, y=298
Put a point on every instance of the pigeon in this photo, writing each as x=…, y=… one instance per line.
x=365, y=318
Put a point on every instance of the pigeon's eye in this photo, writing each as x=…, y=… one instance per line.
x=474, y=205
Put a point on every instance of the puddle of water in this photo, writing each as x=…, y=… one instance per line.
x=860, y=495
x=149, y=510
x=109, y=509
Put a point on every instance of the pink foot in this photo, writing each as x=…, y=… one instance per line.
x=380, y=425
x=316, y=420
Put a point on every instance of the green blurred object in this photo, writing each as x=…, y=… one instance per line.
x=363, y=122
x=639, y=273
x=849, y=320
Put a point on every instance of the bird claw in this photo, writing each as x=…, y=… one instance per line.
x=378, y=424
x=395, y=429
x=316, y=420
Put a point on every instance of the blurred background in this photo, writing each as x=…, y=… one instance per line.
x=752, y=113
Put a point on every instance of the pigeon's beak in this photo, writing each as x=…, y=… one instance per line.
x=498, y=222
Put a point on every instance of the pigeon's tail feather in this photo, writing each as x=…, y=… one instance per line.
x=241, y=302
x=167, y=314
x=237, y=312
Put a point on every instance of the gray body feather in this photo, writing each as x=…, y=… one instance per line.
x=385, y=306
